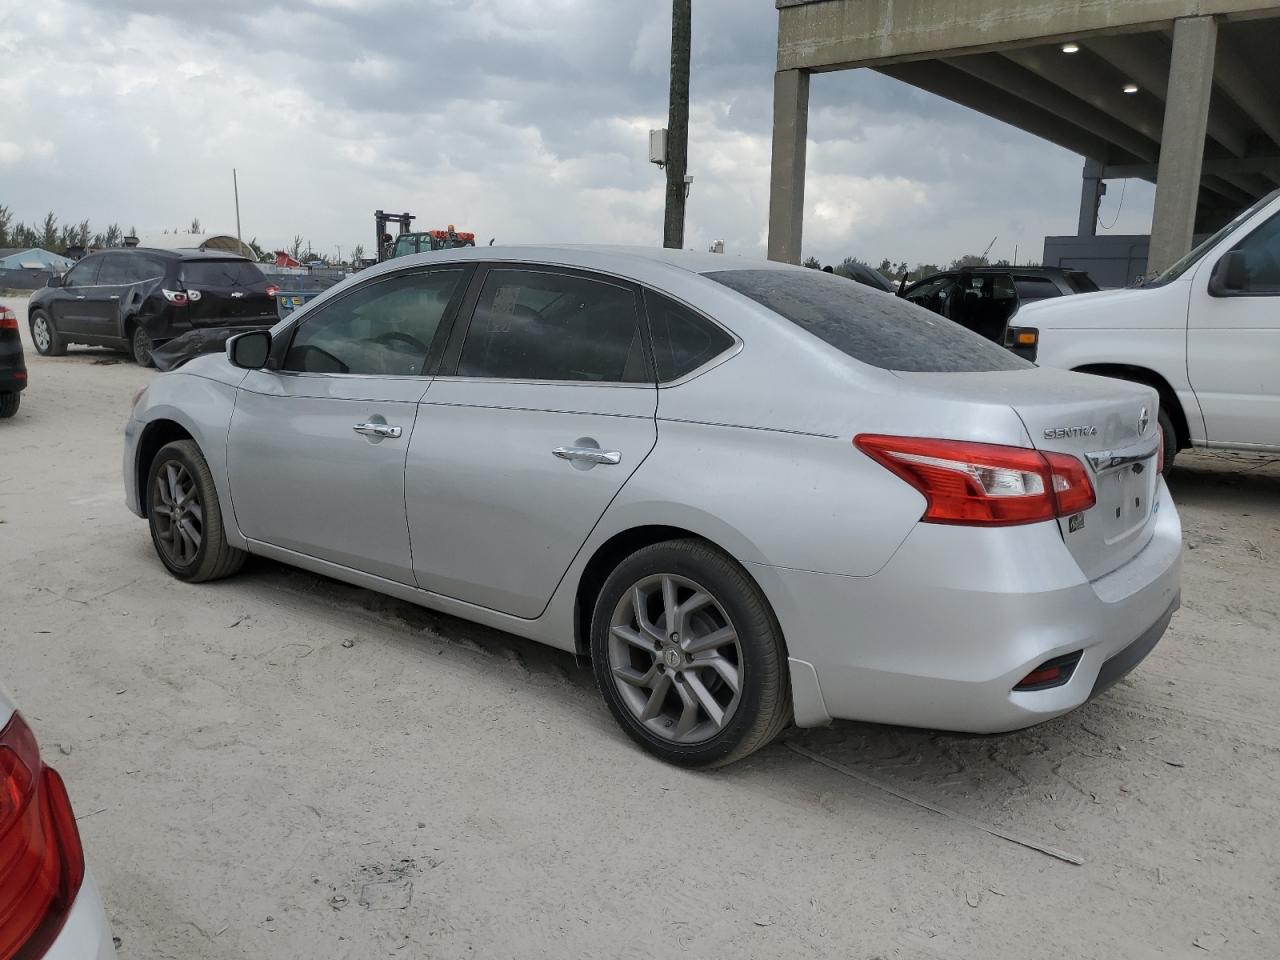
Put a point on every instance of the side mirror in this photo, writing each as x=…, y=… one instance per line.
x=55, y=280
x=1230, y=275
x=249, y=351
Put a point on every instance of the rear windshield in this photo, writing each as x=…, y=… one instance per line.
x=877, y=328
x=221, y=273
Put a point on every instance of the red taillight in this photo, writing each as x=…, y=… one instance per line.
x=272, y=290
x=41, y=860
x=176, y=297
x=984, y=483
x=8, y=319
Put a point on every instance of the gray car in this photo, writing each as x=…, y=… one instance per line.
x=752, y=494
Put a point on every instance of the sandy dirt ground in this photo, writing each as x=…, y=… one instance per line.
x=279, y=765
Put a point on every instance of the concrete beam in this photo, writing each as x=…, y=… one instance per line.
x=1025, y=85
x=1267, y=166
x=969, y=91
x=835, y=34
x=1186, y=119
x=787, y=169
x=1249, y=92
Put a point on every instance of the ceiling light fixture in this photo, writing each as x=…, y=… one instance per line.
x=1130, y=88
x=1071, y=48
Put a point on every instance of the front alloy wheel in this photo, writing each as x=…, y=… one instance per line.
x=688, y=655
x=47, y=341
x=178, y=514
x=185, y=516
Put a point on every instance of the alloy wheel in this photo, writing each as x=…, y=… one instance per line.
x=141, y=346
x=41, y=334
x=178, y=514
x=675, y=658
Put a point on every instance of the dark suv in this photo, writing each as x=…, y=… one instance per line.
x=13, y=370
x=139, y=298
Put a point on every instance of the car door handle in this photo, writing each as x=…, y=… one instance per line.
x=80, y=296
x=588, y=455
x=378, y=430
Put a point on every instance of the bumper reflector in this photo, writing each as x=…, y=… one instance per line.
x=1051, y=673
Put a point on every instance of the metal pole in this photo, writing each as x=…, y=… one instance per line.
x=678, y=124
x=235, y=183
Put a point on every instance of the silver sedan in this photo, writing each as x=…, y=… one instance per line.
x=752, y=494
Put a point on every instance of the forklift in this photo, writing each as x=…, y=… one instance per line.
x=407, y=242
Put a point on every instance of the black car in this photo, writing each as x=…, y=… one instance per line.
x=985, y=299
x=139, y=298
x=13, y=369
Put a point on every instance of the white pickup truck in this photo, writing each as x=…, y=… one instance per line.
x=1205, y=333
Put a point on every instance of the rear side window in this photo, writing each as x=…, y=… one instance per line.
x=1036, y=288
x=531, y=325
x=221, y=273
x=116, y=269
x=682, y=340
x=886, y=332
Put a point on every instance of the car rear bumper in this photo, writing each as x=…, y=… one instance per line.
x=940, y=636
x=12, y=380
x=86, y=935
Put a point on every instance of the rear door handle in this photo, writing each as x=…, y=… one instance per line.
x=588, y=455
x=80, y=296
x=115, y=296
x=378, y=430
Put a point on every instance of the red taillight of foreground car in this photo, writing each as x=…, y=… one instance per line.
x=41, y=860
x=272, y=290
x=984, y=484
x=8, y=319
x=177, y=297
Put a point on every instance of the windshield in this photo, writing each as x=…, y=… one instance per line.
x=869, y=325
x=1187, y=262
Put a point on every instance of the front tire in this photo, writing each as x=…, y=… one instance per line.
x=688, y=655
x=48, y=342
x=140, y=346
x=186, y=518
x=9, y=403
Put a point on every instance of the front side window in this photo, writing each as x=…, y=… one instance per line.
x=533, y=325
x=84, y=273
x=682, y=340
x=931, y=295
x=886, y=332
x=1261, y=251
x=382, y=328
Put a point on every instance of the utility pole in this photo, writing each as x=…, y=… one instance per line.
x=678, y=125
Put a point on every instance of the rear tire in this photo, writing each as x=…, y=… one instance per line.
x=140, y=346
x=699, y=676
x=1170, y=439
x=9, y=403
x=47, y=340
x=186, y=518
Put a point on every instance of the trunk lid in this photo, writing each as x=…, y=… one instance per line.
x=1109, y=425
x=230, y=292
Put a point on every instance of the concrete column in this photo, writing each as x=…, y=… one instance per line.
x=786, y=176
x=1186, y=115
x=1092, y=190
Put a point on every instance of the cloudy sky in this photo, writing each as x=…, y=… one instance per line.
x=525, y=120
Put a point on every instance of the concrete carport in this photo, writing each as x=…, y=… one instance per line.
x=1185, y=93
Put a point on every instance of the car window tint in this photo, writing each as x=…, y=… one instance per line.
x=1081, y=282
x=534, y=325
x=116, y=270
x=882, y=331
x=145, y=268
x=382, y=328
x=682, y=340
x=1262, y=258
x=84, y=273
x=932, y=295
x=221, y=273
x=1035, y=288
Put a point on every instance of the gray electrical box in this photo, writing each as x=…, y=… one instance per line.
x=658, y=146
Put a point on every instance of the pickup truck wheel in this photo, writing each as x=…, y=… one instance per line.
x=1170, y=440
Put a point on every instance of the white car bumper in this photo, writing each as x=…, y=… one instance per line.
x=941, y=635
x=86, y=935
